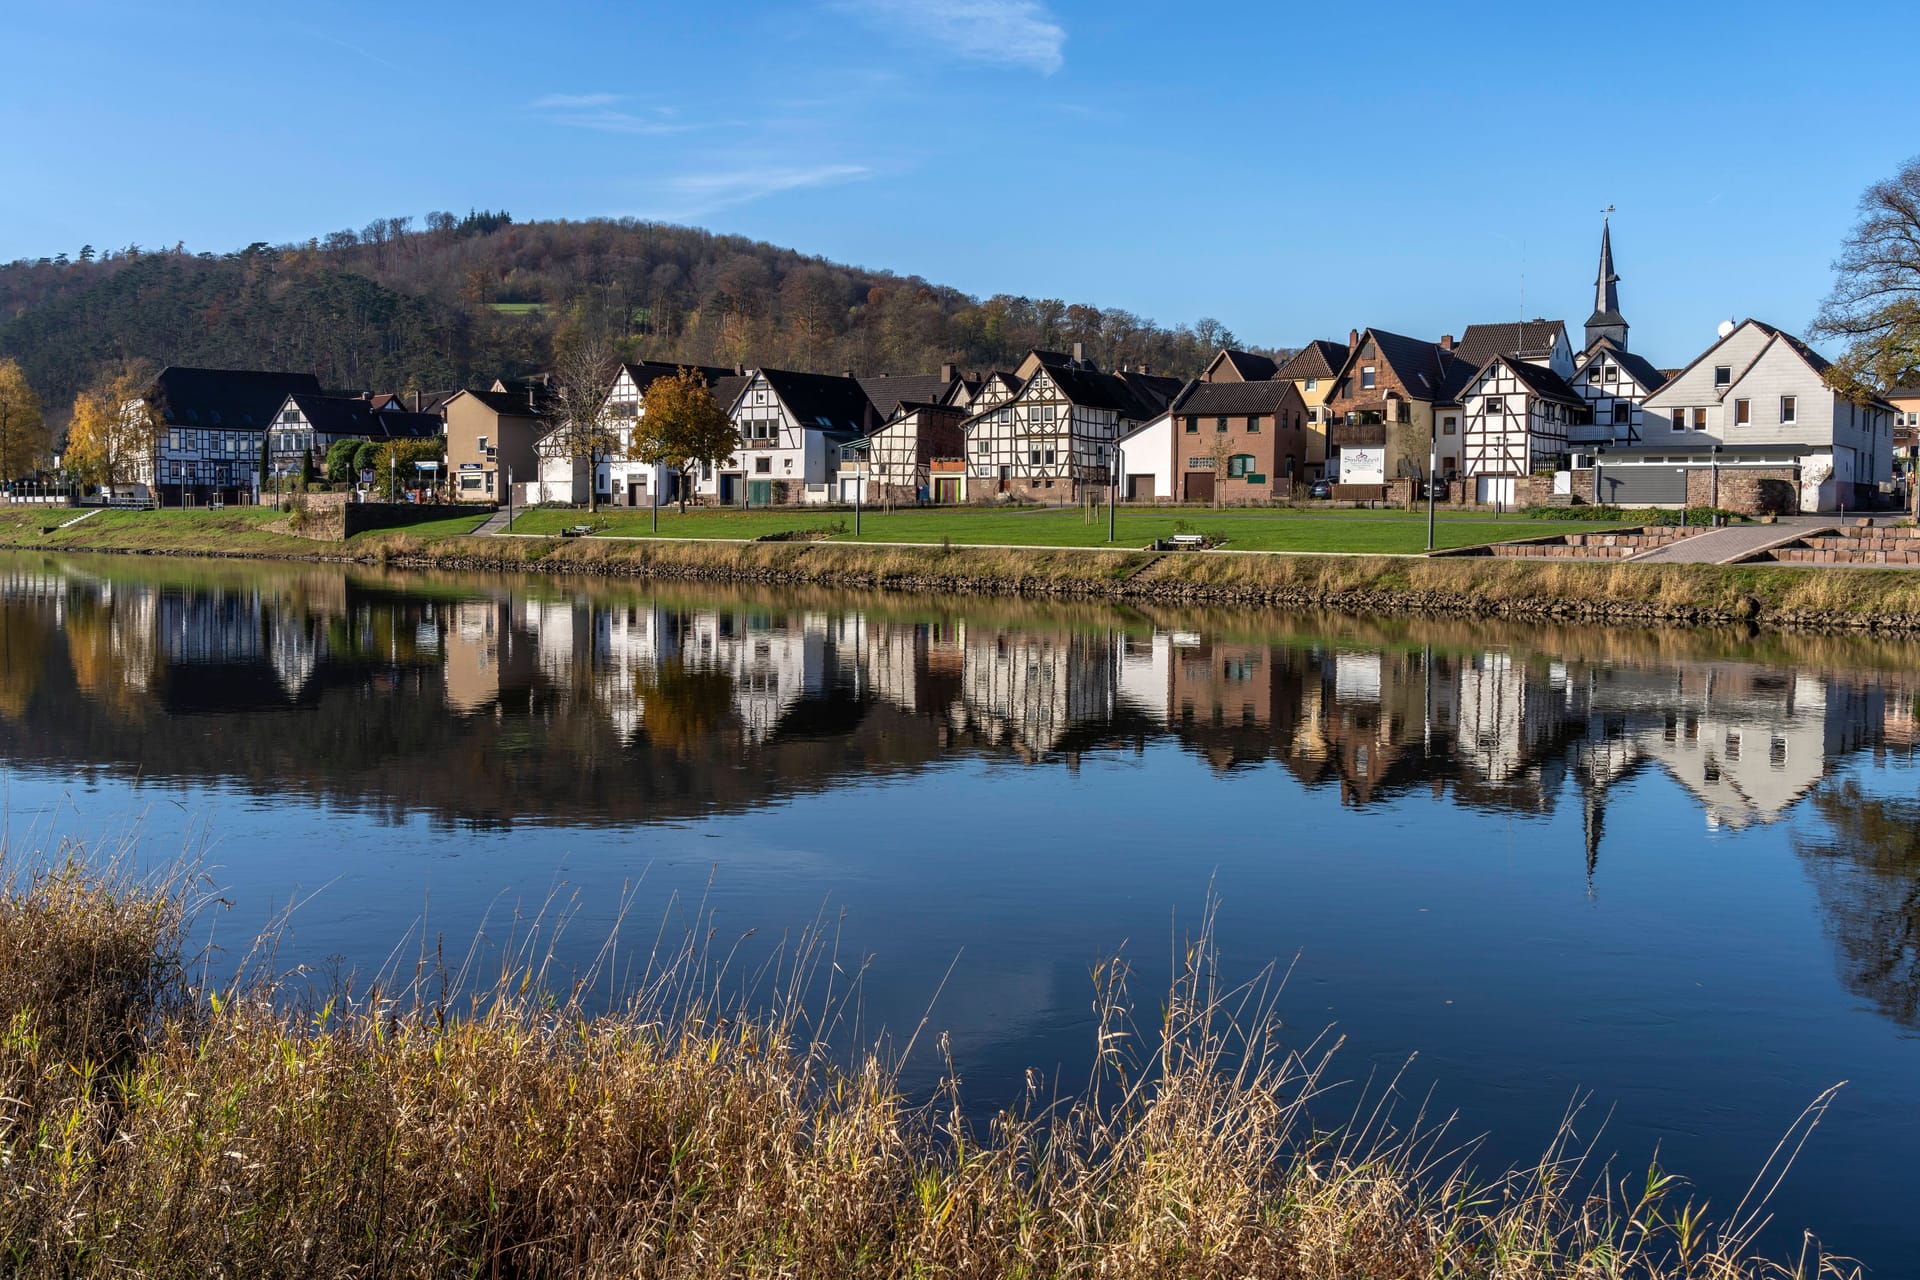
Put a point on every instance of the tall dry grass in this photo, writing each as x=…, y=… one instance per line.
x=252, y=1131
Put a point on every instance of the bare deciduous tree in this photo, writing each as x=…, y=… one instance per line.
x=1875, y=303
x=582, y=432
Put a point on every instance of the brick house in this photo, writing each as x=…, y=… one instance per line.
x=1311, y=372
x=1381, y=412
x=1259, y=428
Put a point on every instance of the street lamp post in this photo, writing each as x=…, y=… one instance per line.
x=1433, y=465
x=1113, y=488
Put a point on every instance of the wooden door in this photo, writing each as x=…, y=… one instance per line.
x=1199, y=486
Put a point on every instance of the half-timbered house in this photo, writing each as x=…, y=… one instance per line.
x=1055, y=435
x=210, y=426
x=1613, y=381
x=792, y=428
x=1516, y=420
x=307, y=426
x=620, y=479
x=897, y=459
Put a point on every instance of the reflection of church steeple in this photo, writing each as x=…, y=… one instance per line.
x=1593, y=812
x=1606, y=320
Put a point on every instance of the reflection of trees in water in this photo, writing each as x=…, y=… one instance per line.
x=24, y=632
x=1867, y=875
x=683, y=706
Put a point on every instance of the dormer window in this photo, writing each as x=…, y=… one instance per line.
x=1722, y=376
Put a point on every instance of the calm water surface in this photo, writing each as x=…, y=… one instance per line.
x=1676, y=874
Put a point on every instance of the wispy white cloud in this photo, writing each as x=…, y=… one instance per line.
x=601, y=111
x=691, y=194
x=573, y=101
x=1011, y=33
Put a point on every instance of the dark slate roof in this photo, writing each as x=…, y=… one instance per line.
x=645, y=372
x=1482, y=342
x=824, y=402
x=1232, y=397
x=1318, y=359
x=1639, y=368
x=357, y=416
x=1250, y=367
x=1421, y=366
x=233, y=398
x=1152, y=391
x=886, y=392
x=513, y=404
x=1903, y=393
x=726, y=390
x=1544, y=383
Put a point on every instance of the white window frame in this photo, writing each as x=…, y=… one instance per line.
x=1789, y=411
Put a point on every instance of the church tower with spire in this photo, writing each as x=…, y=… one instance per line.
x=1606, y=320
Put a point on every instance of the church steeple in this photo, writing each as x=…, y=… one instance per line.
x=1606, y=320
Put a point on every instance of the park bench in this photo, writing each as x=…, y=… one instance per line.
x=1188, y=541
x=576, y=531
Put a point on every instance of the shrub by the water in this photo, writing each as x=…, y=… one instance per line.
x=154, y=1128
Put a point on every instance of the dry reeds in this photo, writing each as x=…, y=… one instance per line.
x=249, y=1133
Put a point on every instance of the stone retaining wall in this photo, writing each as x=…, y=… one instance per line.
x=1593, y=546
x=1857, y=545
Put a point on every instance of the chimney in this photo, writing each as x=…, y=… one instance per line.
x=739, y=371
x=847, y=374
x=1353, y=339
x=1079, y=353
x=1140, y=369
x=946, y=373
x=1446, y=342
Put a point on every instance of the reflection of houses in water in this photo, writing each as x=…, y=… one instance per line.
x=1749, y=742
x=1028, y=691
x=1146, y=673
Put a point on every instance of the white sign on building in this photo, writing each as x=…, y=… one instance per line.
x=1363, y=465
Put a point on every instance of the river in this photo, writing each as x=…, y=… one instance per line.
x=1673, y=877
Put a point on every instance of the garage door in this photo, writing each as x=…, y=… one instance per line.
x=1199, y=486
x=1140, y=489
x=1642, y=486
x=1491, y=489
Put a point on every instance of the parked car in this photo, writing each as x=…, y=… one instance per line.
x=1435, y=489
x=1320, y=489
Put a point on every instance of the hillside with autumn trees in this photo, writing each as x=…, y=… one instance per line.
x=458, y=301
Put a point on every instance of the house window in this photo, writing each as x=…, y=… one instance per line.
x=1593, y=374
x=1722, y=376
x=1253, y=423
x=1787, y=410
x=1366, y=377
x=763, y=466
x=1240, y=464
x=1496, y=404
x=1220, y=424
x=1049, y=457
x=1742, y=413
x=1313, y=384
x=1448, y=425
x=1613, y=374
x=1193, y=425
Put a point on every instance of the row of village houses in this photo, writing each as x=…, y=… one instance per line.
x=1510, y=413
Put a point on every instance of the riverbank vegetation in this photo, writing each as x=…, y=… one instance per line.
x=1353, y=531
x=1540, y=590
x=156, y=1125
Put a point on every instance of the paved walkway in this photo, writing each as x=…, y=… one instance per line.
x=1724, y=546
x=495, y=524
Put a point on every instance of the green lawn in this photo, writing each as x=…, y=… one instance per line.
x=1356, y=531
x=446, y=527
x=199, y=529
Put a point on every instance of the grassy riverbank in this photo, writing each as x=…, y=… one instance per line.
x=152, y=1127
x=1887, y=599
x=1352, y=531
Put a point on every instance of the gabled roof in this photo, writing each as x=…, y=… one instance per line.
x=886, y=391
x=1318, y=359
x=1421, y=366
x=1130, y=395
x=1250, y=367
x=1233, y=397
x=1482, y=342
x=1815, y=361
x=823, y=402
x=1544, y=383
x=357, y=416
x=646, y=372
x=236, y=399
x=508, y=404
x=1903, y=393
x=1639, y=368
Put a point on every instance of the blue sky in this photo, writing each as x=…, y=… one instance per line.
x=1292, y=170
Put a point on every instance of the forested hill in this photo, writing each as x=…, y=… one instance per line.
x=459, y=301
